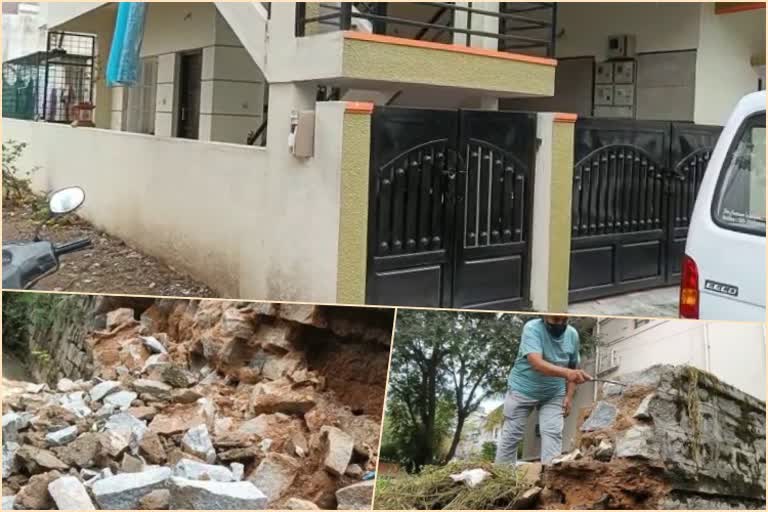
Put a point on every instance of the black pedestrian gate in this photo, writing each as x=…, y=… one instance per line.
x=634, y=187
x=450, y=208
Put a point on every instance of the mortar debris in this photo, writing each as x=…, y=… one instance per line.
x=205, y=404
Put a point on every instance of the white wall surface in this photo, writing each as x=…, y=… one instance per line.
x=658, y=26
x=724, y=71
x=249, y=222
x=734, y=352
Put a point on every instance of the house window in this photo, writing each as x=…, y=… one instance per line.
x=140, y=100
x=639, y=323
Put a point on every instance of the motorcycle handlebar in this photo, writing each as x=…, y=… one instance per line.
x=77, y=245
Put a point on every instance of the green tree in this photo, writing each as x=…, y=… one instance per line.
x=488, y=451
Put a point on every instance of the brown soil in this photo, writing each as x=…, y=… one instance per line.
x=589, y=484
x=109, y=266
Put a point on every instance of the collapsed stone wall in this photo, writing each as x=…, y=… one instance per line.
x=206, y=404
x=673, y=437
x=58, y=348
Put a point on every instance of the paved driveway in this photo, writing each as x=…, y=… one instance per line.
x=657, y=303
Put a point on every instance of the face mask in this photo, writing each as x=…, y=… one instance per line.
x=555, y=330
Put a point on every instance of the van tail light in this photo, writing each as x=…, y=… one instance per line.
x=689, y=289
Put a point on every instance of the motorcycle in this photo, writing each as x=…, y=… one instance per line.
x=26, y=262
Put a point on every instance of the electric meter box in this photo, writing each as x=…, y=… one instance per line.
x=604, y=73
x=624, y=95
x=621, y=47
x=624, y=72
x=603, y=95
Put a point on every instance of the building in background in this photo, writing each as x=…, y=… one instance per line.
x=23, y=29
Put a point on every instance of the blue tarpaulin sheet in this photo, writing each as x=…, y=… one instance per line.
x=125, y=54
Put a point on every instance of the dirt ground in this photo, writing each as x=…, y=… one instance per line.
x=109, y=266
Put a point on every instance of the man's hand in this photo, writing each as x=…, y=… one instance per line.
x=578, y=376
x=567, y=406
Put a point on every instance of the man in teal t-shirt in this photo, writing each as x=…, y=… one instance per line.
x=545, y=376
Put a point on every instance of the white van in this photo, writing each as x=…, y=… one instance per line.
x=724, y=263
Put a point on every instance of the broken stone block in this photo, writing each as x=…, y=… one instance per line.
x=121, y=399
x=197, y=495
x=354, y=471
x=152, y=448
x=62, y=437
x=236, y=324
x=169, y=424
x=604, y=451
x=154, y=345
x=339, y=447
x=123, y=492
x=197, y=441
x=65, y=385
x=119, y=317
x=75, y=403
x=269, y=399
x=355, y=496
x=37, y=459
x=276, y=338
x=602, y=416
x=102, y=389
x=83, y=451
x=69, y=494
x=159, y=499
x=8, y=502
x=527, y=499
x=146, y=412
x=643, y=411
x=131, y=464
x=9, y=458
x=610, y=389
x=299, y=504
x=34, y=495
x=193, y=470
x=12, y=424
x=160, y=390
x=178, y=377
x=238, y=470
x=638, y=442
x=185, y=396
x=274, y=475
x=127, y=427
x=569, y=457
x=306, y=314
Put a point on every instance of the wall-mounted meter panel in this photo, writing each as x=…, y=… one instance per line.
x=604, y=73
x=624, y=72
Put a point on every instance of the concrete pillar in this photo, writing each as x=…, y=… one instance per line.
x=167, y=92
x=553, y=185
x=353, y=215
x=479, y=22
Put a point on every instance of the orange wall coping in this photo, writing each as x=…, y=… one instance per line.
x=359, y=107
x=730, y=7
x=484, y=52
x=562, y=117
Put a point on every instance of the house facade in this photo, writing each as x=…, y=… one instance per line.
x=251, y=139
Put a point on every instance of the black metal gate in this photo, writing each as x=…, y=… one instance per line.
x=634, y=187
x=450, y=208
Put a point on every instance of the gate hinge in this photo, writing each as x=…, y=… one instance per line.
x=538, y=144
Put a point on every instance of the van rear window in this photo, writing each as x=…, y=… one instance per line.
x=740, y=198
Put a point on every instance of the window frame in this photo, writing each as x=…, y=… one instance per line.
x=152, y=61
x=748, y=123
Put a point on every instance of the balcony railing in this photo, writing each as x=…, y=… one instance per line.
x=527, y=27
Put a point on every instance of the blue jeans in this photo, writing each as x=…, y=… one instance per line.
x=517, y=408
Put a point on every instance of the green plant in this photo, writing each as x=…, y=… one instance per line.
x=488, y=451
x=16, y=182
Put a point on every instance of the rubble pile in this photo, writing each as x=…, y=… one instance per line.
x=206, y=405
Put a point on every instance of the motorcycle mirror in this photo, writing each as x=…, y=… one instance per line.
x=66, y=200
